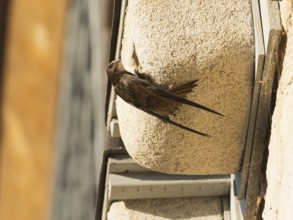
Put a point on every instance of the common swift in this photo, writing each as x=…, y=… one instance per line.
x=139, y=91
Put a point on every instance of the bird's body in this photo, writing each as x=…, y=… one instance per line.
x=139, y=91
x=141, y=94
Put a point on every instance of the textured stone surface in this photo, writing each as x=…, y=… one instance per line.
x=279, y=169
x=160, y=209
x=175, y=41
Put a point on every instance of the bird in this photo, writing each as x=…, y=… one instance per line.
x=139, y=90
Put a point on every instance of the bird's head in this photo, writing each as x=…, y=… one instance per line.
x=115, y=66
x=115, y=70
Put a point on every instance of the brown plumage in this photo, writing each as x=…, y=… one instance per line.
x=138, y=90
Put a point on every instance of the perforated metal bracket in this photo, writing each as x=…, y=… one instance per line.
x=126, y=180
x=259, y=65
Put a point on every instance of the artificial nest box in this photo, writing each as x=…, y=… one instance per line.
x=177, y=41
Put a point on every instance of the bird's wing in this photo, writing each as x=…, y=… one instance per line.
x=167, y=120
x=143, y=76
x=176, y=98
x=183, y=89
x=147, y=98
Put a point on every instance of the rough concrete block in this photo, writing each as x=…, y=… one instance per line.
x=160, y=209
x=176, y=41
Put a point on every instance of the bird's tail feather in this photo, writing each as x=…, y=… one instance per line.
x=176, y=98
x=167, y=120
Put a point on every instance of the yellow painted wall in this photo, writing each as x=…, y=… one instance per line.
x=31, y=79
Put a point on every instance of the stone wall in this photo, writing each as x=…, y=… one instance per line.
x=279, y=169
